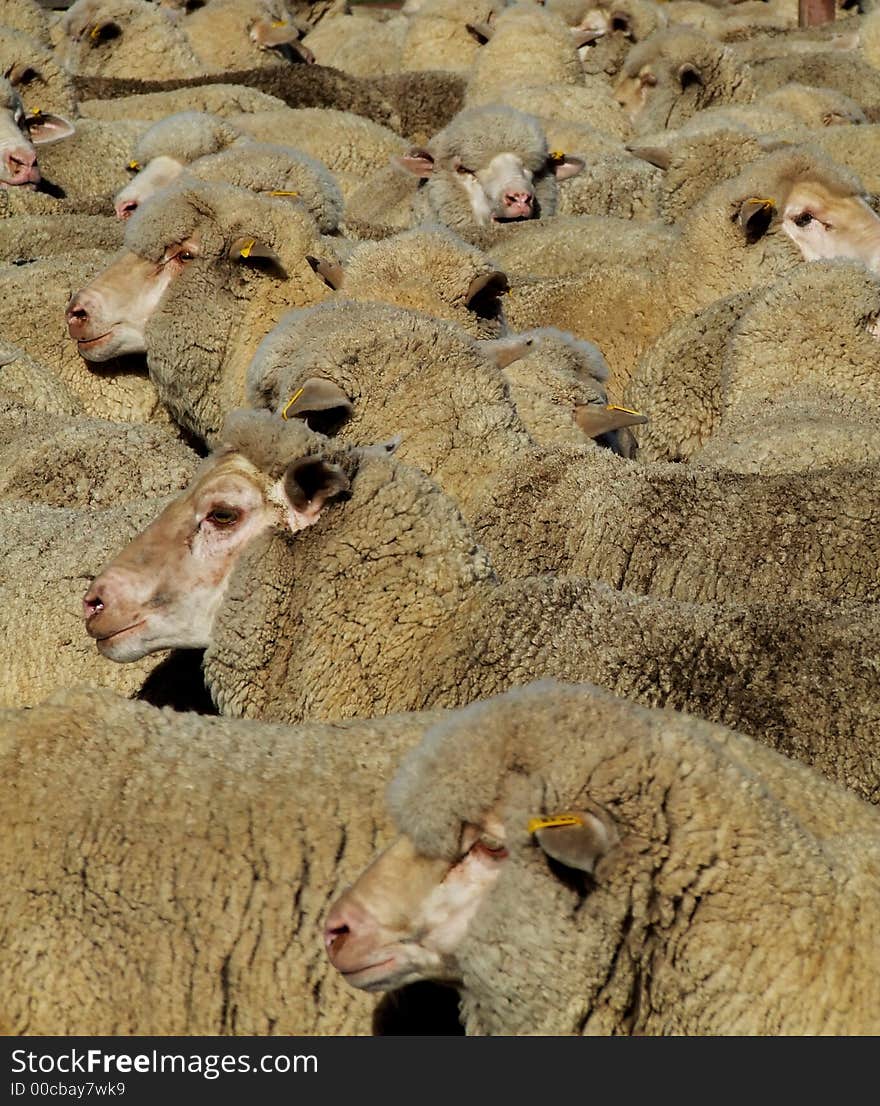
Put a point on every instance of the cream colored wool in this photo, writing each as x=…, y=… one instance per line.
x=28, y=237
x=93, y=162
x=26, y=382
x=437, y=36
x=218, y=33
x=255, y=827
x=29, y=65
x=740, y=894
x=27, y=17
x=359, y=46
x=218, y=99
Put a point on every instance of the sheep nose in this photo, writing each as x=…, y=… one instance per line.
x=524, y=198
x=21, y=163
x=334, y=937
x=92, y=603
x=125, y=209
x=78, y=314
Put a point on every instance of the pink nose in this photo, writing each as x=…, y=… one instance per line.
x=125, y=209
x=518, y=203
x=92, y=603
x=79, y=315
x=345, y=923
x=21, y=165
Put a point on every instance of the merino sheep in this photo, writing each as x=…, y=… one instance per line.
x=244, y=34
x=357, y=45
x=674, y=73
x=260, y=551
x=248, y=824
x=30, y=67
x=689, y=880
x=27, y=383
x=124, y=38
x=437, y=36
x=218, y=99
x=786, y=208
x=19, y=135
x=28, y=17
x=490, y=164
x=205, y=272
x=607, y=29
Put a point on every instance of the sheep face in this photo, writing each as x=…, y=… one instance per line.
x=408, y=917
x=164, y=589
x=160, y=172
x=108, y=317
x=19, y=134
x=825, y=225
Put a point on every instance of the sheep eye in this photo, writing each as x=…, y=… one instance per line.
x=490, y=847
x=464, y=172
x=185, y=255
x=223, y=516
x=649, y=79
x=803, y=219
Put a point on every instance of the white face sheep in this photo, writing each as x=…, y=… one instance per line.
x=19, y=134
x=490, y=164
x=579, y=865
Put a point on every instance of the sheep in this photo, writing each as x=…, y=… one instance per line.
x=20, y=134
x=423, y=101
x=757, y=225
x=313, y=86
x=216, y=99
x=850, y=75
x=26, y=382
x=165, y=149
x=244, y=34
x=367, y=573
x=124, y=38
x=489, y=164
x=27, y=237
x=357, y=45
x=41, y=290
x=93, y=161
x=247, y=823
x=27, y=17
x=676, y=72
x=854, y=148
x=30, y=67
x=690, y=881
x=206, y=270
x=48, y=555
x=431, y=270
x=615, y=184
x=608, y=29
x=437, y=36
x=82, y=462
x=783, y=412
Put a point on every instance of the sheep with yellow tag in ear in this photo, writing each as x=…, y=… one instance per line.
x=124, y=38
x=206, y=270
x=578, y=865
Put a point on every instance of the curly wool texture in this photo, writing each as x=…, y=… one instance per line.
x=743, y=896
x=429, y=269
x=815, y=107
x=39, y=79
x=26, y=238
x=356, y=44
x=119, y=390
x=124, y=38
x=247, y=823
x=218, y=33
x=294, y=635
x=786, y=412
x=27, y=17
x=214, y=314
x=216, y=99
x=27, y=383
x=624, y=310
x=49, y=557
x=267, y=170
x=591, y=103
x=185, y=136
x=844, y=73
x=423, y=100
x=614, y=184
x=671, y=101
x=93, y=162
x=88, y=463
x=529, y=46
x=437, y=36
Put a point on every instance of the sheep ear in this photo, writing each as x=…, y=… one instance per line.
x=565, y=166
x=418, y=162
x=755, y=216
x=331, y=272
x=309, y=483
x=487, y=286
x=21, y=73
x=482, y=32
x=245, y=248
x=688, y=74
x=620, y=21
x=44, y=128
x=594, y=419
x=104, y=32
x=654, y=155
x=585, y=36
x=578, y=840
x=265, y=33
x=317, y=396
x=504, y=351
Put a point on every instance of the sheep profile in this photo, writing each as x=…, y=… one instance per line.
x=579, y=865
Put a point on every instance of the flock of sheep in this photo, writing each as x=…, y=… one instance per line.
x=424, y=407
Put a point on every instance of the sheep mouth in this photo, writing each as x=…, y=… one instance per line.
x=90, y=343
x=25, y=185
x=370, y=977
x=102, y=639
x=513, y=218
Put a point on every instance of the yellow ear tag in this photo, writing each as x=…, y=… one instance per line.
x=763, y=203
x=246, y=249
x=284, y=193
x=36, y=112
x=556, y=155
x=135, y=165
x=281, y=23
x=626, y=410
x=291, y=402
x=548, y=821
x=95, y=31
